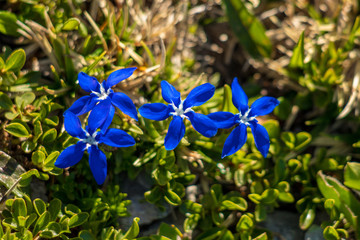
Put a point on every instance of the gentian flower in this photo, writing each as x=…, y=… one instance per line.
x=102, y=98
x=89, y=140
x=179, y=110
x=246, y=117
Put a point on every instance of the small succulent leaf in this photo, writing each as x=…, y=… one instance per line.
x=54, y=208
x=71, y=24
x=5, y=101
x=168, y=231
x=17, y=129
x=172, y=198
x=40, y=206
x=41, y=223
x=16, y=60
x=18, y=208
x=352, y=175
x=245, y=224
x=307, y=218
x=133, y=230
x=330, y=233
x=78, y=219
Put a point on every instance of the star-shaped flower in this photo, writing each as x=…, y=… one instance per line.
x=102, y=98
x=181, y=109
x=246, y=117
x=89, y=140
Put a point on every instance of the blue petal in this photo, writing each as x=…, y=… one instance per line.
x=175, y=133
x=239, y=98
x=98, y=164
x=117, y=138
x=71, y=155
x=235, y=141
x=99, y=115
x=109, y=119
x=263, y=106
x=117, y=76
x=169, y=93
x=199, y=95
x=261, y=137
x=223, y=119
x=82, y=105
x=125, y=104
x=88, y=83
x=73, y=125
x=202, y=124
x=155, y=111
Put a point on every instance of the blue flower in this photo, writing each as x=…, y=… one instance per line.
x=180, y=109
x=89, y=140
x=102, y=98
x=246, y=117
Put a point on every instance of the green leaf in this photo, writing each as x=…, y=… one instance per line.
x=49, y=136
x=50, y=161
x=54, y=209
x=5, y=102
x=352, y=175
x=269, y=196
x=262, y=236
x=86, y=235
x=297, y=59
x=235, y=203
x=41, y=223
x=307, y=218
x=302, y=140
x=168, y=231
x=24, y=100
x=245, y=224
x=153, y=195
x=31, y=218
x=191, y=222
x=16, y=60
x=345, y=201
x=17, y=129
x=330, y=233
x=289, y=139
x=248, y=29
x=78, y=219
x=38, y=158
x=172, y=198
x=52, y=230
x=8, y=25
x=133, y=230
x=72, y=209
x=18, y=208
x=71, y=24
x=28, y=146
x=40, y=206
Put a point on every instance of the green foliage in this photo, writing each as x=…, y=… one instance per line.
x=312, y=163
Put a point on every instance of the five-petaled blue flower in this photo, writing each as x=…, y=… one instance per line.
x=89, y=140
x=246, y=117
x=181, y=109
x=102, y=98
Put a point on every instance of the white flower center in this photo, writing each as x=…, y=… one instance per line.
x=90, y=139
x=179, y=111
x=102, y=95
x=245, y=119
